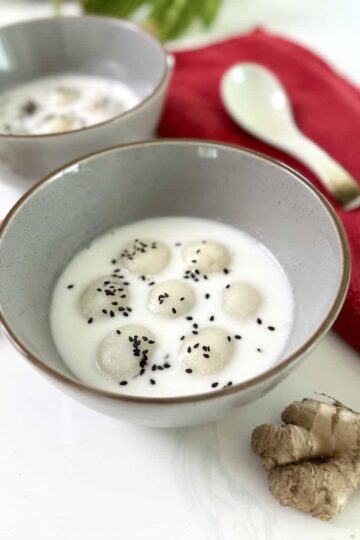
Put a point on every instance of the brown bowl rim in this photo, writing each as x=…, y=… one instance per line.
x=214, y=394
x=116, y=22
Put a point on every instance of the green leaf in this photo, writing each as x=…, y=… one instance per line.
x=112, y=8
x=208, y=10
x=172, y=16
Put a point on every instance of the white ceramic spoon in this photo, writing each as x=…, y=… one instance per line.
x=257, y=101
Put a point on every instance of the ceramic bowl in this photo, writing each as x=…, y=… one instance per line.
x=64, y=212
x=98, y=46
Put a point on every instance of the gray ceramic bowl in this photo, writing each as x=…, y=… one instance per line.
x=65, y=211
x=89, y=45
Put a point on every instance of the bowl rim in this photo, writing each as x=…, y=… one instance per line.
x=122, y=23
x=320, y=331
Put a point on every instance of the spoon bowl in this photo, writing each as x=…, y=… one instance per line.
x=256, y=100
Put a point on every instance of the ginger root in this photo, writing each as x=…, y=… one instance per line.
x=313, y=458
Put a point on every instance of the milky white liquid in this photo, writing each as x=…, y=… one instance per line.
x=98, y=99
x=78, y=342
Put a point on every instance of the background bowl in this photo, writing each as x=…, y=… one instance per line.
x=89, y=45
x=64, y=212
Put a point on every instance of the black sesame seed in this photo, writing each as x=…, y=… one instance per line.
x=182, y=338
x=99, y=290
x=195, y=325
x=189, y=350
x=214, y=384
x=167, y=365
x=173, y=310
x=125, y=314
x=70, y=286
x=113, y=261
x=152, y=381
x=189, y=318
x=205, y=277
x=142, y=371
x=271, y=328
x=112, y=314
x=90, y=320
x=114, y=303
x=228, y=338
x=151, y=342
x=194, y=261
x=196, y=345
x=259, y=350
x=104, y=311
x=182, y=299
x=226, y=271
x=195, y=332
x=205, y=355
x=118, y=332
x=212, y=318
x=259, y=321
x=188, y=370
x=123, y=383
x=207, y=296
x=153, y=367
x=237, y=336
x=227, y=286
x=160, y=368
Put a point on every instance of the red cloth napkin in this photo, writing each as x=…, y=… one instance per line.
x=326, y=107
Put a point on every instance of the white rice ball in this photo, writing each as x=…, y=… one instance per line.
x=64, y=95
x=106, y=296
x=56, y=124
x=123, y=353
x=145, y=257
x=171, y=299
x=241, y=299
x=206, y=256
x=207, y=352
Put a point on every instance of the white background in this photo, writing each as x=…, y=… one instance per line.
x=67, y=472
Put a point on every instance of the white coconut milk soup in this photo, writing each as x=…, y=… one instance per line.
x=171, y=306
x=63, y=103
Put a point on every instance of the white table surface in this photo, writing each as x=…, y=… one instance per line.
x=68, y=473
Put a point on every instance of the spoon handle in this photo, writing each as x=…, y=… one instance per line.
x=334, y=177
